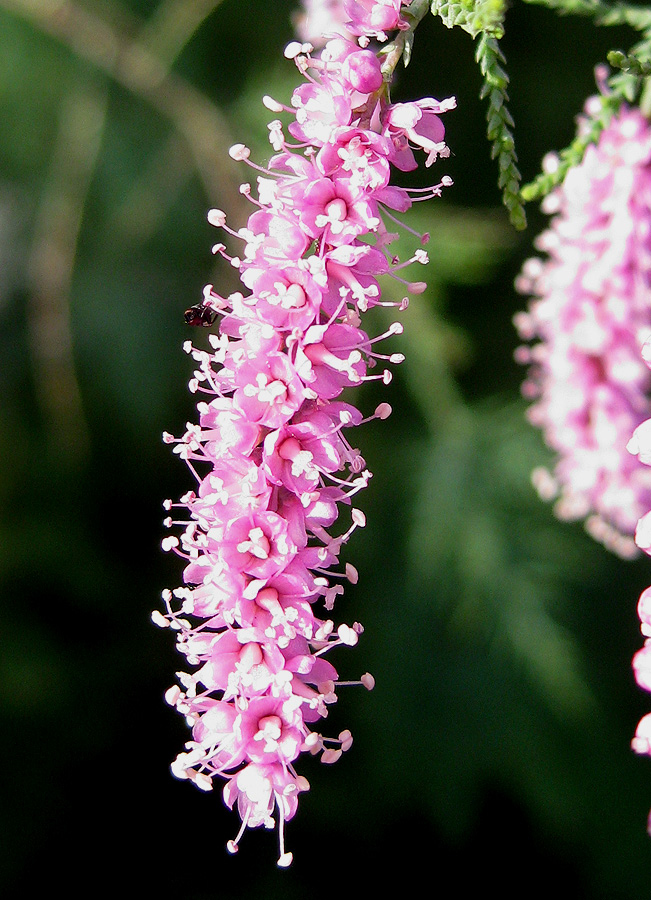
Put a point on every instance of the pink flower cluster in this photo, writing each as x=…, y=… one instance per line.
x=320, y=20
x=592, y=314
x=323, y=19
x=272, y=464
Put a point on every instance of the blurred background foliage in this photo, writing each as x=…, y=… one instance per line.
x=494, y=751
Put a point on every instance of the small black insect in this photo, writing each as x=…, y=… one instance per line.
x=200, y=315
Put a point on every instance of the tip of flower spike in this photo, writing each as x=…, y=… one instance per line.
x=352, y=574
x=294, y=49
x=159, y=619
x=330, y=756
x=327, y=688
x=311, y=740
x=203, y=782
x=358, y=517
x=216, y=217
x=346, y=635
x=239, y=152
x=172, y=695
x=544, y=483
x=346, y=739
x=271, y=104
x=646, y=352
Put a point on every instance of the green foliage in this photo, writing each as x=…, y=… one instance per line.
x=474, y=16
x=485, y=19
x=500, y=124
x=630, y=63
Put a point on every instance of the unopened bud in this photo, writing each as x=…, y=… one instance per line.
x=352, y=574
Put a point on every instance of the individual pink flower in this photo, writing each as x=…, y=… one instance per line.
x=416, y=124
x=591, y=313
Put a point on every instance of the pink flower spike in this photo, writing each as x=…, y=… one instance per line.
x=590, y=314
x=271, y=461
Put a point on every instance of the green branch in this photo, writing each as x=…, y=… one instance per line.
x=490, y=59
x=485, y=19
x=625, y=85
x=630, y=64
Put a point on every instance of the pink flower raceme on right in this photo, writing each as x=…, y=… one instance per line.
x=591, y=313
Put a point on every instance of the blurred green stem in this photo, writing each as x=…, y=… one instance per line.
x=166, y=33
x=131, y=64
x=172, y=25
x=51, y=266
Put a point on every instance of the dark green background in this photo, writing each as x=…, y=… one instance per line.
x=494, y=753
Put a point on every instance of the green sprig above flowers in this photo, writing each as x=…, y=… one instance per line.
x=485, y=19
x=629, y=63
x=474, y=16
x=490, y=59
